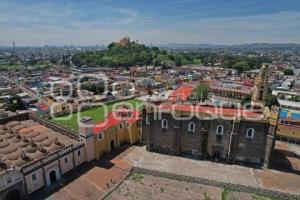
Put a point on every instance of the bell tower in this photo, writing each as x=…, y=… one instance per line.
x=260, y=87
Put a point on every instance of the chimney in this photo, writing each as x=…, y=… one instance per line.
x=86, y=127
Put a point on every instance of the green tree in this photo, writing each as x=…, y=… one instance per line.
x=288, y=72
x=241, y=66
x=15, y=103
x=202, y=91
x=271, y=101
x=246, y=99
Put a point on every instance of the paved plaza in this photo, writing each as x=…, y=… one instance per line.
x=93, y=181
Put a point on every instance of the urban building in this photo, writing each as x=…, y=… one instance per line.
x=122, y=126
x=232, y=135
x=35, y=153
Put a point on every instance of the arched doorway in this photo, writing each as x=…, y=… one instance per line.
x=112, y=145
x=52, y=176
x=13, y=195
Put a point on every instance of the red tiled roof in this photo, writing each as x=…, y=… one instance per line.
x=114, y=119
x=213, y=111
x=41, y=106
x=181, y=93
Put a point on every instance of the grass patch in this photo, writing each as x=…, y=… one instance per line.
x=136, y=177
x=97, y=115
x=225, y=193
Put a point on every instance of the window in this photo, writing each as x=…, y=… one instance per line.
x=79, y=153
x=164, y=123
x=220, y=130
x=66, y=160
x=147, y=119
x=250, y=133
x=100, y=136
x=192, y=127
x=33, y=177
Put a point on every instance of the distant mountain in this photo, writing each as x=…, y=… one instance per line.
x=237, y=46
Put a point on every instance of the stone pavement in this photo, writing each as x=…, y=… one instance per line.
x=261, y=178
x=93, y=181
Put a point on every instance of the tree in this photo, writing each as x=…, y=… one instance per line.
x=202, y=91
x=15, y=103
x=241, y=66
x=271, y=101
x=178, y=61
x=246, y=99
x=288, y=72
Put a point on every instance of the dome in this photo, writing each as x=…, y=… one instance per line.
x=23, y=144
x=28, y=123
x=14, y=156
x=20, y=162
x=9, y=135
x=17, y=128
x=31, y=148
x=8, y=150
x=12, y=124
x=33, y=134
x=3, y=132
x=54, y=147
x=39, y=154
x=15, y=140
x=48, y=142
x=40, y=138
x=3, y=144
x=25, y=131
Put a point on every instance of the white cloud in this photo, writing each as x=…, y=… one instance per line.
x=47, y=23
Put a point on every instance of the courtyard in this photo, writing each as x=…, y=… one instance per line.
x=97, y=114
x=113, y=177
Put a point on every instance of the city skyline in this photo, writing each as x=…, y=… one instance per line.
x=34, y=23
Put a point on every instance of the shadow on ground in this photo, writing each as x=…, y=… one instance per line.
x=69, y=177
x=281, y=161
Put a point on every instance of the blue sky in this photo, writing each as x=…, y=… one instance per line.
x=88, y=22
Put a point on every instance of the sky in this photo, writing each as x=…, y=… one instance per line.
x=91, y=22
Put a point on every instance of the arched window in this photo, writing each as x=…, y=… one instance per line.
x=250, y=133
x=192, y=127
x=164, y=123
x=220, y=130
x=147, y=119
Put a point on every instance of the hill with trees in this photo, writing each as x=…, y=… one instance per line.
x=128, y=53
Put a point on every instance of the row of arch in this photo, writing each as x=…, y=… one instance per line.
x=219, y=131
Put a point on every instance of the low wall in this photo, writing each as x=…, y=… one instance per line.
x=19, y=117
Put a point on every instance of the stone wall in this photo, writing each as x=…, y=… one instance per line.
x=232, y=146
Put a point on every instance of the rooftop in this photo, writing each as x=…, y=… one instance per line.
x=181, y=94
x=211, y=111
x=23, y=142
x=116, y=118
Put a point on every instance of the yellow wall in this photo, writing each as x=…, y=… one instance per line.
x=130, y=135
x=288, y=131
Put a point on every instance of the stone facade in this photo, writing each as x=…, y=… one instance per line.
x=233, y=145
